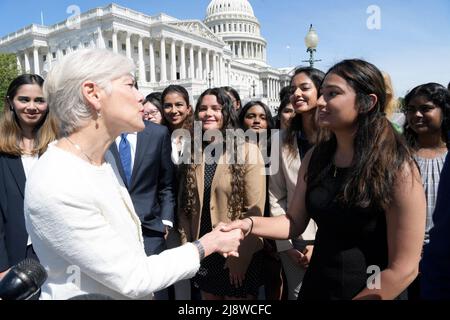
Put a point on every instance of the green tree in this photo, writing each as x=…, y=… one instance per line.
x=8, y=71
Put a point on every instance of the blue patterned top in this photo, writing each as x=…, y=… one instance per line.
x=430, y=170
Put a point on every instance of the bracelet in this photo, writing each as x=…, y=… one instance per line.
x=200, y=248
x=251, y=227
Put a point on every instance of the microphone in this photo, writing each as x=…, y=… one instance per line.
x=23, y=280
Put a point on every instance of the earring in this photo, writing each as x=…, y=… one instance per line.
x=99, y=115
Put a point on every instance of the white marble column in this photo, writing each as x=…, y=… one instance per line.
x=141, y=60
x=222, y=70
x=207, y=66
x=183, y=61
x=100, y=39
x=162, y=56
x=216, y=69
x=19, y=65
x=128, y=45
x=37, y=69
x=151, y=50
x=27, y=62
x=228, y=72
x=191, y=62
x=199, y=64
x=273, y=89
x=114, y=41
x=173, y=61
x=268, y=88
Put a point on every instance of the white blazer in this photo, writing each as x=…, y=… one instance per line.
x=87, y=235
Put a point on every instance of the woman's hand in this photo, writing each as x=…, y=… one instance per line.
x=307, y=253
x=245, y=226
x=295, y=255
x=224, y=242
x=237, y=279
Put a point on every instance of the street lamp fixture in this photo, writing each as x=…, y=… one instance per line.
x=210, y=79
x=311, y=42
x=254, y=88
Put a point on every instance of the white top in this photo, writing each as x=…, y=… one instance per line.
x=178, y=144
x=28, y=162
x=87, y=235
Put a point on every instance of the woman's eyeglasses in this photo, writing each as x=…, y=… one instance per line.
x=152, y=113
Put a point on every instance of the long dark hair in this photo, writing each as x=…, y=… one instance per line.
x=270, y=124
x=249, y=105
x=189, y=121
x=10, y=130
x=379, y=151
x=316, y=77
x=235, y=94
x=440, y=96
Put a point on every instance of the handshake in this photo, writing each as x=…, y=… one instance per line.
x=226, y=238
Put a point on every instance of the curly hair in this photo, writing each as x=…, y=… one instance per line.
x=440, y=96
x=237, y=198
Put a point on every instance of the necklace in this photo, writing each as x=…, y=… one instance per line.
x=77, y=146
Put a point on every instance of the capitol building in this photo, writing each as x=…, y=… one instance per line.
x=227, y=48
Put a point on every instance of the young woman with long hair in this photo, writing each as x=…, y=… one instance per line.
x=362, y=187
x=218, y=189
x=26, y=129
x=296, y=140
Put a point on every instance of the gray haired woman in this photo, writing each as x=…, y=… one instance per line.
x=78, y=213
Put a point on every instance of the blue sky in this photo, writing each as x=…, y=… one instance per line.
x=412, y=45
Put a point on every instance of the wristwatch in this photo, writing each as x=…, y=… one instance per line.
x=200, y=248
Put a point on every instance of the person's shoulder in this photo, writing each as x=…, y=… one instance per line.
x=54, y=163
x=155, y=130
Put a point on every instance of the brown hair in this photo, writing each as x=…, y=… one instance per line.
x=10, y=130
x=238, y=194
x=316, y=77
x=380, y=151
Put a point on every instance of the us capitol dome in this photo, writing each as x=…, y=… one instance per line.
x=225, y=49
x=235, y=23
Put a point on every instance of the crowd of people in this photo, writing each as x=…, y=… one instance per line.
x=149, y=198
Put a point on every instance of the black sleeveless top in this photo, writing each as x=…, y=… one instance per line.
x=348, y=242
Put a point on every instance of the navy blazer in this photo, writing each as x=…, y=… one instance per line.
x=152, y=181
x=13, y=234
